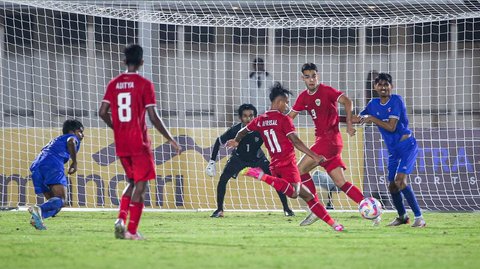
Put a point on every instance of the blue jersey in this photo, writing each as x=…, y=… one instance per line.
x=394, y=108
x=55, y=154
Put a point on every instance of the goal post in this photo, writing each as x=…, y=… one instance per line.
x=206, y=58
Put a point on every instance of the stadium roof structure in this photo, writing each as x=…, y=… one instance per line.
x=270, y=14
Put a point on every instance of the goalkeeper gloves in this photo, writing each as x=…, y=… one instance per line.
x=211, y=169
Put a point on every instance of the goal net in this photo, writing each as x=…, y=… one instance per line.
x=208, y=57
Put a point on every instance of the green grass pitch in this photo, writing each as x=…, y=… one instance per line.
x=240, y=240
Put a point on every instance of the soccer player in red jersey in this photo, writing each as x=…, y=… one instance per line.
x=129, y=97
x=320, y=101
x=278, y=133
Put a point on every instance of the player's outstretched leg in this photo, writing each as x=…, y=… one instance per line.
x=318, y=209
x=279, y=184
x=307, y=181
x=36, y=220
x=352, y=191
x=319, y=212
x=309, y=220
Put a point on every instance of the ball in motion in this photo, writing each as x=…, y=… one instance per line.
x=370, y=208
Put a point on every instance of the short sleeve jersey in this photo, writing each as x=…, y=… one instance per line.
x=129, y=95
x=249, y=149
x=394, y=108
x=55, y=154
x=322, y=107
x=274, y=127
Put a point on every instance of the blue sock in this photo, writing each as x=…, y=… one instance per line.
x=51, y=207
x=412, y=201
x=398, y=203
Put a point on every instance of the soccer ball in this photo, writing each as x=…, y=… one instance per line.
x=370, y=208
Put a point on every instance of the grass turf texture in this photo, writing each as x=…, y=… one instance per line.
x=240, y=240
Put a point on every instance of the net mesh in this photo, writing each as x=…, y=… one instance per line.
x=58, y=56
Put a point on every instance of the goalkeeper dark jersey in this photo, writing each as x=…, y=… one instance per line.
x=249, y=149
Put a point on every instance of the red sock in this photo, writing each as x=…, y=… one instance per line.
x=353, y=192
x=135, y=214
x=319, y=210
x=308, y=182
x=279, y=184
x=124, y=204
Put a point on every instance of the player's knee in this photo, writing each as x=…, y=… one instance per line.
x=400, y=184
x=392, y=187
x=308, y=196
x=339, y=182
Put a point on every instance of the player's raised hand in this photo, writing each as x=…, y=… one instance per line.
x=231, y=143
x=211, y=169
x=176, y=146
x=73, y=168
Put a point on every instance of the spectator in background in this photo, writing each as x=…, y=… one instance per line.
x=257, y=90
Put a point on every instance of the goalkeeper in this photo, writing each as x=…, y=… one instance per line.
x=247, y=154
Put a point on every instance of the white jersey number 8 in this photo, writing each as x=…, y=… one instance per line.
x=124, y=100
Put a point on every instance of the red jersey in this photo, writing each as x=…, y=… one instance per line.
x=129, y=95
x=322, y=107
x=274, y=127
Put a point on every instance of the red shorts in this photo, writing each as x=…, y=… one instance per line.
x=289, y=172
x=139, y=167
x=333, y=153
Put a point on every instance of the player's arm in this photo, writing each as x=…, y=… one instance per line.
x=355, y=119
x=303, y=148
x=71, y=146
x=389, y=125
x=103, y=113
x=292, y=114
x=211, y=170
x=233, y=143
x=347, y=103
x=160, y=126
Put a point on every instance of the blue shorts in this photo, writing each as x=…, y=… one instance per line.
x=402, y=158
x=44, y=176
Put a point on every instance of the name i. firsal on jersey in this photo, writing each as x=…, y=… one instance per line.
x=125, y=85
x=269, y=122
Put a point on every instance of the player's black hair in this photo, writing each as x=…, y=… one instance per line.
x=278, y=90
x=244, y=107
x=133, y=55
x=309, y=66
x=383, y=76
x=71, y=126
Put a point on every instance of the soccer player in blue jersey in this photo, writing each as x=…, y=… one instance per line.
x=48, y=172
x=389, y=113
